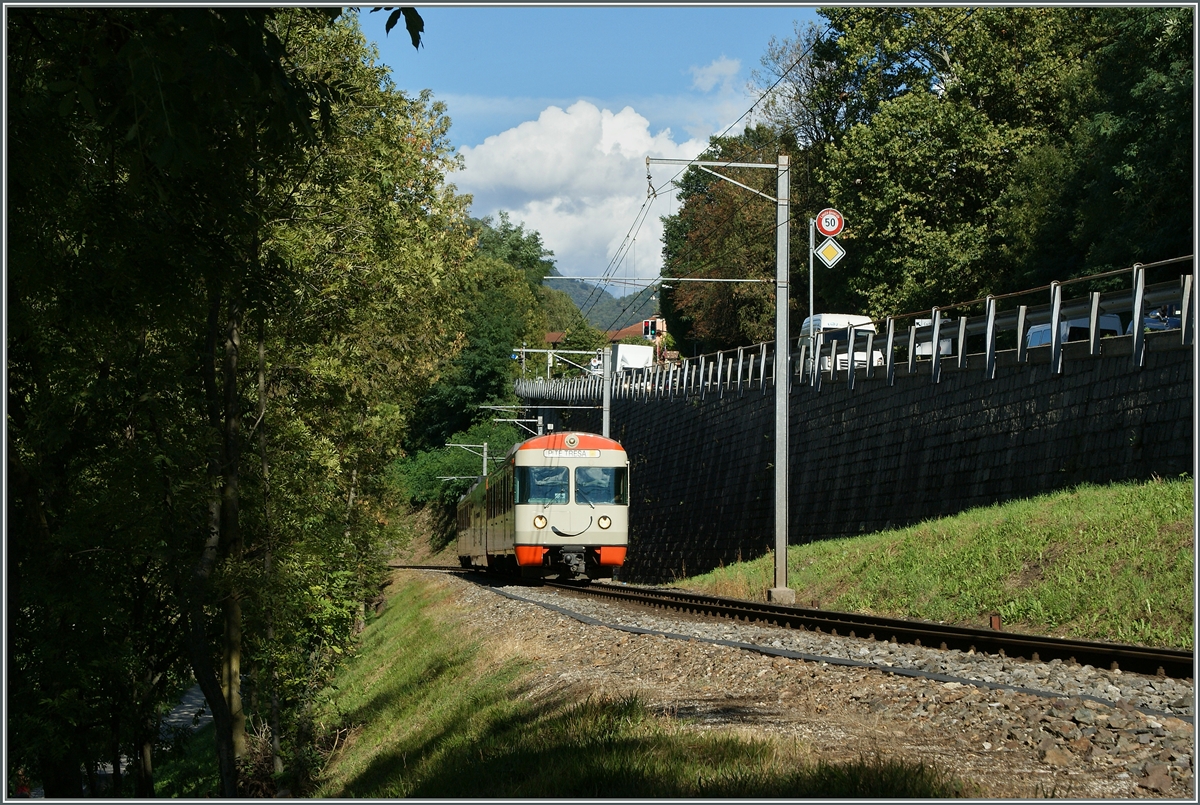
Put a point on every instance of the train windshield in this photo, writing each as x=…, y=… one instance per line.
x=602, y=485
x=543, y=485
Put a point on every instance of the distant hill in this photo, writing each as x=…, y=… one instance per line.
x=603, y=310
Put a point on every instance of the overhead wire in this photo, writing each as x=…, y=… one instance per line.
x=945, y=32
x=715, y=259
x=618, y=257
x=782, y=132
x=694, y=245
x=765, y=93
x=762, y=96
x=616, y=262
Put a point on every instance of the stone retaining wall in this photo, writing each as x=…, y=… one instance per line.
x=879, y=456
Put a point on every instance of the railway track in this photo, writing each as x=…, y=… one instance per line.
x=443, y=568
x=1174, y=663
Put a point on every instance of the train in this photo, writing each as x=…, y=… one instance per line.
x=557, y=507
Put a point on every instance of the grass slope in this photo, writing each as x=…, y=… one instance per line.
x=1096, y=562
x=189, y=769
x=432, y=711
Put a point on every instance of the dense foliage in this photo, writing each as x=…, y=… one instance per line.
x=725, y=232
x=504, y=306
x=971, y=151
x=228, y=232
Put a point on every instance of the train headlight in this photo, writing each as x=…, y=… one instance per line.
x=604, y=522
x=539, y=521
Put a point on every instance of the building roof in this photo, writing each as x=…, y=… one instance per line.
x=625, y=332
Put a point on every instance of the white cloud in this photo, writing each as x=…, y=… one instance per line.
x=721, y=71
x=578, y=177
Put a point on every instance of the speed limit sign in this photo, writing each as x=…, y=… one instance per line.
x=829, y=222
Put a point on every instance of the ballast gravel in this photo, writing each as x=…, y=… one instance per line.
x=1085, y=735
x=1168, y=697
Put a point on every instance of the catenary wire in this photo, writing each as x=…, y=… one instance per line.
x=782, y=132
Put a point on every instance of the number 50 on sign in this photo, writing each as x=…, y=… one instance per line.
x=829, y=222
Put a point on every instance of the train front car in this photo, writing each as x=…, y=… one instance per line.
x=571, y=496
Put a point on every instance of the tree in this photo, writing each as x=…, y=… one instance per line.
x=971, y=150
x=510, y=243
x=918, y=185
x=378, y=242
x=803, y=91
x=131, y=220
x=499, y=312
x=563, y=316
x=1134, y=153
x=960, y=175
x=412, y=22
x=195, y=186
x=725, y=231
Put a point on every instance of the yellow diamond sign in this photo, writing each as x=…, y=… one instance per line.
x=830, y=252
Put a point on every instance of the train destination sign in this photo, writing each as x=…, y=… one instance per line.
x=830, y=222
x=830, y=252
x=571, y=453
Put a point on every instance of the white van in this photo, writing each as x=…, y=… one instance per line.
x=833, y=326
x=945, y=343
x=1073, y=330
x=632, y=356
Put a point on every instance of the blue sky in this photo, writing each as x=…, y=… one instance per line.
x=555, y=108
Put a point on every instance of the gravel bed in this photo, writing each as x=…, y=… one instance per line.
x=1163, y=695
x=1008, y=742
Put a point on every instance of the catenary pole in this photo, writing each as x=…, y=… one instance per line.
x=812, y=323
x=780, y=592
x=606, y=372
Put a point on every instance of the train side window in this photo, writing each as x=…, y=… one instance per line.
x=543, y=485
x=602, y=485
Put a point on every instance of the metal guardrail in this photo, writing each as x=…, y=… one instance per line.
x=746, y=368
x=727, y=371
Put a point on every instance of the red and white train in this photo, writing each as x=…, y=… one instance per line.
x=558, y=506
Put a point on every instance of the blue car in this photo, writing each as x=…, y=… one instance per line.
x=1166, y=317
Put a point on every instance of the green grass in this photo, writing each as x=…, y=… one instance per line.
x=1096, y=562
x=189, y=770
x=425, y=711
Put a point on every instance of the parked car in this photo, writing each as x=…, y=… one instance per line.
x=833, y=327
x=1073, y=330
x=1166, y=317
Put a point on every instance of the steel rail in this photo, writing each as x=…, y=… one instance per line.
x=1176, y=663
x=446, y=568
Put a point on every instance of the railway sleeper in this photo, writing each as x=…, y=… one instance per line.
x=1134, y=659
